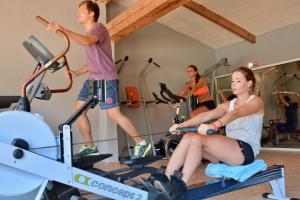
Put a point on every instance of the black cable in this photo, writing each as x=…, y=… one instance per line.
x=98, y=141
x=182, y=130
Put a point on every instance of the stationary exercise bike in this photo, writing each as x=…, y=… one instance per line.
x=170, y=142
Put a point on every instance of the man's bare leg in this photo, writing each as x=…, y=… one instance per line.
x=125, y=123
x=83, y=123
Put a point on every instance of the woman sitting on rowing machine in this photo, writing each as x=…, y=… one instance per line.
x=243, y=117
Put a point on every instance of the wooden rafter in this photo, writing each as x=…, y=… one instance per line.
x=103, y=1
x=141, y=13
x=218, y=19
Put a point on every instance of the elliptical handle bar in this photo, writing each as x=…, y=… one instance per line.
x=172, y=97
x=53, y=60
x=46, y=23
x=195, y=130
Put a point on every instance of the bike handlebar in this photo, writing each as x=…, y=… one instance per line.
x=158, y=100
x=171, y=97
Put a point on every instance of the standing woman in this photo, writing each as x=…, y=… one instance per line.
x=197, y=88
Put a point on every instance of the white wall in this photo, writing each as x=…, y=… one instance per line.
x=276, y=46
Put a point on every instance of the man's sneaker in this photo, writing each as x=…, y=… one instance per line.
x=87, y=151
x=141, y=150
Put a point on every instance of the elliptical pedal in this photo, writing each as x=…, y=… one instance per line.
x=140, y=160
x=88, y=161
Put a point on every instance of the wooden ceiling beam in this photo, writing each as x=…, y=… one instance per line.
x=218, y=19
x=103, y=1
x=138, y=15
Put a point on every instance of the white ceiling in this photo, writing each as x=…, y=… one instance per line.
x=256, y=16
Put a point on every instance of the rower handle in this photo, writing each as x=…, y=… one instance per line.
x=195, y=130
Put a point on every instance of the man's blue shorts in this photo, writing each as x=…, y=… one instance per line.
x=112, y=94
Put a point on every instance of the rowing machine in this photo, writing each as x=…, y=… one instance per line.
x=274, y=175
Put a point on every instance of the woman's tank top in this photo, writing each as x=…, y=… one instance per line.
x=247, y=129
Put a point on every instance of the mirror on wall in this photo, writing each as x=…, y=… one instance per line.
x=279, y=87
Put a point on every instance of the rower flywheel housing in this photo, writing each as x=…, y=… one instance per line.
x=17, y=184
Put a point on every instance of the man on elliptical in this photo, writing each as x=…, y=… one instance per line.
x=100, y=66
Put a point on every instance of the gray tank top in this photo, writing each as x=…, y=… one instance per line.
x=247, y=129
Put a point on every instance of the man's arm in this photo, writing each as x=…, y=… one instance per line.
x=82, y=70
x=78, y=72
x=280, y=96
x=84, y=40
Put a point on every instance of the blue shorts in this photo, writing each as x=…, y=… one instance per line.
x=112, y=94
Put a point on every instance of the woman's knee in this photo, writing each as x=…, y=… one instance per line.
x=186, y=139
x=197, y=140
x=198, y=111
x=190, y=138
x=187, y=136
x=192, y=114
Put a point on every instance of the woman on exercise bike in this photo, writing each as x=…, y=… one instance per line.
x=243, y=117
x=198, y=91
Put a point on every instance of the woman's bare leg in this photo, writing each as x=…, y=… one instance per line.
x=219, y=147
x=178, y=157
x=198, y=111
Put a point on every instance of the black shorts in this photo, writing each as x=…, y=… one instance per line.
x=210, y=104
x=247, y=152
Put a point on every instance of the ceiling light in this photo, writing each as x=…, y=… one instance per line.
x=252, y=65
